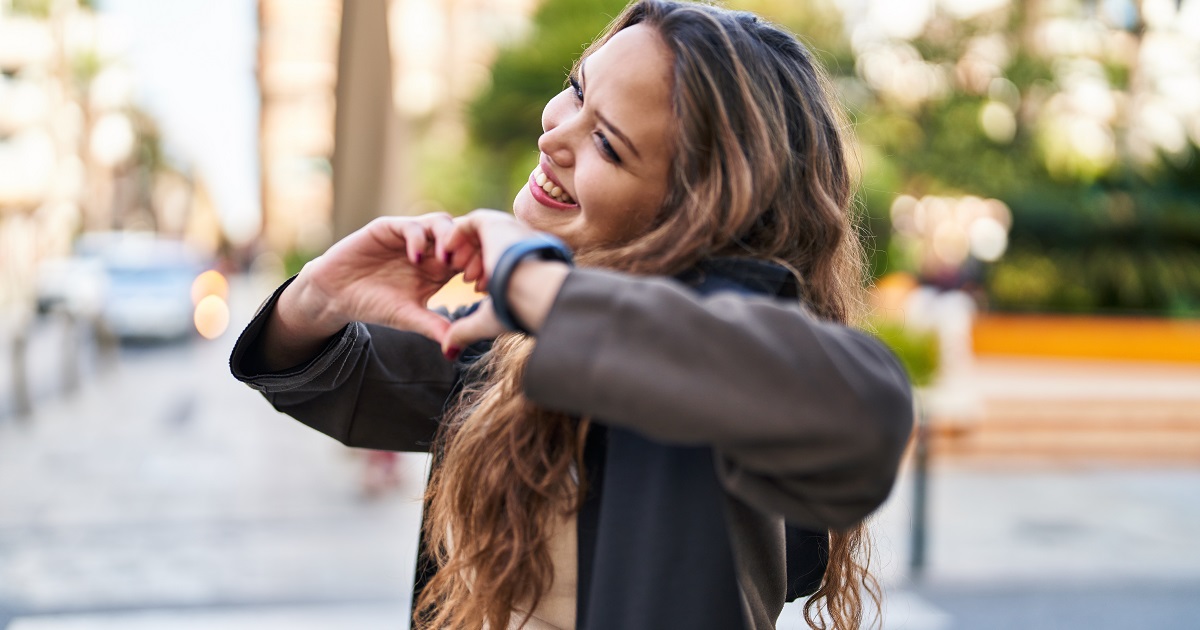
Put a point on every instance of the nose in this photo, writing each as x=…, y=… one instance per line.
x=557, y=141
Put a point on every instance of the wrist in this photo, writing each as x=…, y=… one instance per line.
x=305, y=311
x=540, y=247
x=533, y=288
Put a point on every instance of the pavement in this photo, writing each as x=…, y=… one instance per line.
x=164, y=495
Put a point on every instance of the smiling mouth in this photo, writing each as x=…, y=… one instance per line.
x=548, y=193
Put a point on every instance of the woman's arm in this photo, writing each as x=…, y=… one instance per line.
x=347, y=345
x=366, y=386
x=810, y=418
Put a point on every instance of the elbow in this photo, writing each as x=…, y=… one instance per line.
x=891, y=418
x=887, y=415
x=886, y=430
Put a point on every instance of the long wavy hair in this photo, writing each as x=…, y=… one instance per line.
x=760, y=169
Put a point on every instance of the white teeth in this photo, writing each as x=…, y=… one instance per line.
x=545, y=184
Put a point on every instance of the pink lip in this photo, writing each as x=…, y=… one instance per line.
x=542, y=197
x=545, y=165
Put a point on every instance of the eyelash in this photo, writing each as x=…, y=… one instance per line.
x=606, y=146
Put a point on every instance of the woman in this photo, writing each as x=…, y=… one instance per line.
x=680, y=407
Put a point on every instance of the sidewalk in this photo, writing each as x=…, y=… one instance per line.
x=167, y=496
x=166, y=485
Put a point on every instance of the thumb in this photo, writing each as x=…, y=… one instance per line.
x=480, y=325
x=423, y=321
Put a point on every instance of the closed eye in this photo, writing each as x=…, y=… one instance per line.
x=601, y=141
x=607, y=148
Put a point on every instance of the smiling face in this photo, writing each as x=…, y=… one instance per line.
x=606, y=145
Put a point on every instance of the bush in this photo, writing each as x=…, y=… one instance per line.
x=917, y=350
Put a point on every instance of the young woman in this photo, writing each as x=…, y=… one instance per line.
x=679, y=431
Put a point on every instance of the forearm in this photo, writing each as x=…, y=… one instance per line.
x=293, y=334
x=366, y=386
x=687, y=368
x=531, y=291
x=810, y=418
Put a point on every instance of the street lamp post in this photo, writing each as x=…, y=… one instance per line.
x=920, y=512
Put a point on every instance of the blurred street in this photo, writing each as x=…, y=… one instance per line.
x=166, y=495
x=165, y=484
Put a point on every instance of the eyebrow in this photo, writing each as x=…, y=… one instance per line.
x=611, y=127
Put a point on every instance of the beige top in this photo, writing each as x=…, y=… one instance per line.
x=556, y=611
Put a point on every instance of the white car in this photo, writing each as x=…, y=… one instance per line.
x=148, y=284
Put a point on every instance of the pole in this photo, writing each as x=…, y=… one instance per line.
x=920, y=492
x=22, y=399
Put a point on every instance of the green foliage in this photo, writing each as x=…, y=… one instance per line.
x=295, y=259
x=34, y=8
x=1087, y=234
x=505, y=121
x=1104, y=278
x=42, y=8
x=917, y=350
x=1107, y=235
x=85, y=66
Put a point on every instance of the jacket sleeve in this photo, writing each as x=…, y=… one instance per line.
x=808, y=419
x=370, y=387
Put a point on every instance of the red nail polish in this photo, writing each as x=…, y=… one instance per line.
x=420, y=255
x=452, y=353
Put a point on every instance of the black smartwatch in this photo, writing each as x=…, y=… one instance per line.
x=542, y=247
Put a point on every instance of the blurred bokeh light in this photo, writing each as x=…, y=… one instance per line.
x=1030, y=193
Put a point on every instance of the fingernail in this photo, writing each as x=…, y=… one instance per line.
x=420, y=255
x=446, y=257
x=452, y=353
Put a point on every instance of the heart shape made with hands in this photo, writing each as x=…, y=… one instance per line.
x=386, y=272
x=433, y=269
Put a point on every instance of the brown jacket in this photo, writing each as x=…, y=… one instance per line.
x=807, y=420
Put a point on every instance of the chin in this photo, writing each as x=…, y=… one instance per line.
x=525, y=209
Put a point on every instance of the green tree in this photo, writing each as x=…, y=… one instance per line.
x=505, y=120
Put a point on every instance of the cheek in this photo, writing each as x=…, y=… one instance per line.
x=616, y=205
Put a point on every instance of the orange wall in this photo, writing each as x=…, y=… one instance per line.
x=1088, y=337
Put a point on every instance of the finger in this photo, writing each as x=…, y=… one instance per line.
x=479, y=275
x=411, y=232
x=496, y=231
x=438, y=226
x=480, y=325
x=423, y=321
x=461, y=245
x=464, y=234
x=473, y=270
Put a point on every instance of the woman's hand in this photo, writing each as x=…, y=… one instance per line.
x=475, y=245
x=384, y=273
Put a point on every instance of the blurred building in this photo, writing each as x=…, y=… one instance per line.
x=42, y=142
x=346, y=88
x=76, y=156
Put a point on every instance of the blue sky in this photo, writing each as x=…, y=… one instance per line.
x=194, y=63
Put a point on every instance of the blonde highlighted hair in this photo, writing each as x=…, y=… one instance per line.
x=760, y=169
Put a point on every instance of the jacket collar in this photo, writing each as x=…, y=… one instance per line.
x=757, y=275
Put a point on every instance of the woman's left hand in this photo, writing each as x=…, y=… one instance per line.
x=475, y=245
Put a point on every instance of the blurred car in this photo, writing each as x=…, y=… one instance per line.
x=75, y=285
x=148, y=284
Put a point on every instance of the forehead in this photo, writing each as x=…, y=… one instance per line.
x=628, y=80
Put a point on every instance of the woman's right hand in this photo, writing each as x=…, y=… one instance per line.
x=384, y=273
